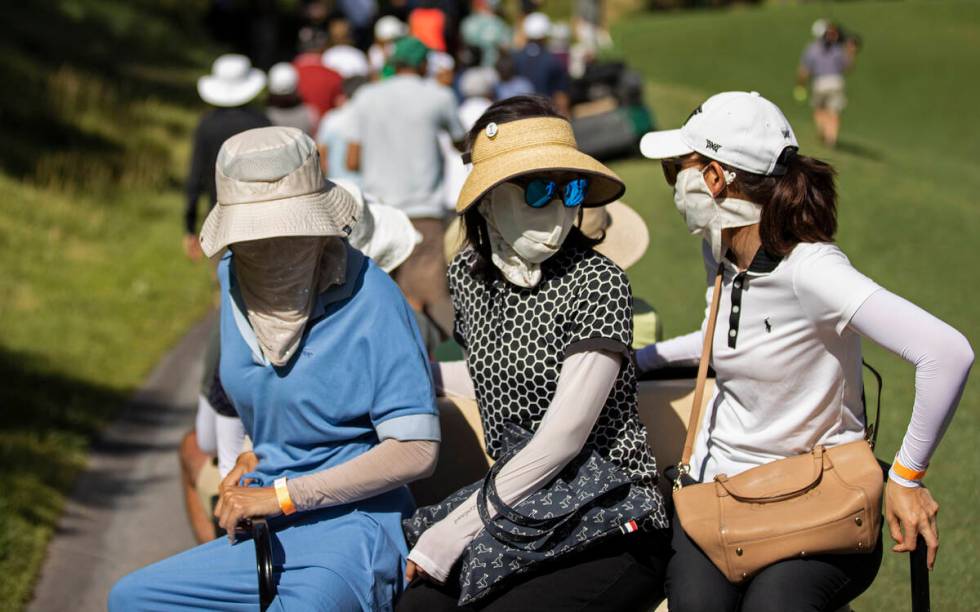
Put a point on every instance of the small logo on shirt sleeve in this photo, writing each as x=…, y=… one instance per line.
x=768, y=325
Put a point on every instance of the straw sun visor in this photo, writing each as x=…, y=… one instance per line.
x=507, y=150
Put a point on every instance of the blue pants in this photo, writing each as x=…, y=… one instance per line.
x=330, y=560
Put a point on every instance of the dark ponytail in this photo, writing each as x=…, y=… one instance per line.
x=798, y=206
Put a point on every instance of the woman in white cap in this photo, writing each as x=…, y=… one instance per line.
x=544, y=322
x=787, y=353
x=284, y=106
x=322, y=360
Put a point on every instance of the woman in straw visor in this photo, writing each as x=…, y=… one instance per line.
x=787, y=347
x=323, y=361
x=545, y=324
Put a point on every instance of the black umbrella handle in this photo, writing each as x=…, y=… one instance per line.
x=919, y=574
x=262, y=537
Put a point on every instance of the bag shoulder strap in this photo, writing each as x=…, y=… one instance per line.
x=692, y=424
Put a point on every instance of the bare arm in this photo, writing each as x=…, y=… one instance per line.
x=354, y=156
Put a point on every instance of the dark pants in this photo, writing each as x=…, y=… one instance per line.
x=820, y=583
x=626, y=574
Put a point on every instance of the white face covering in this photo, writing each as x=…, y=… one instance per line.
x=279, y=280
x=707, y=216
x=522, y=237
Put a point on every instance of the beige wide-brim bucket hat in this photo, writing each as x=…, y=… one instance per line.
x=503, y=151
x=269, y=185
x=626, y=234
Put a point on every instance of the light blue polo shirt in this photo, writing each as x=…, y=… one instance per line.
x=360, y=375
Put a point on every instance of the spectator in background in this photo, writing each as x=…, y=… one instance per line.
x=486, y=30
x=395, y=145
x=318, y=85
x=539, y=65
x=441, y=68
x=333, y=135
x=822, y=66
x=231, y=86
x=428, y=23
x=342, y=57
x=284, y=106
x=510, y=83
x=360, y=14
x=387, y=30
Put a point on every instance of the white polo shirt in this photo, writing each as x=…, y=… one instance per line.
x=788, y=370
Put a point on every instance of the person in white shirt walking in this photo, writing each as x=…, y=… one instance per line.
x=394, y=144
x=787, y=353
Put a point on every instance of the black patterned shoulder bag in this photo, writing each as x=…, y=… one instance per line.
x=590, y=500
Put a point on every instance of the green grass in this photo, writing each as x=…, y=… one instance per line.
x=908, y=213
x=96, y=112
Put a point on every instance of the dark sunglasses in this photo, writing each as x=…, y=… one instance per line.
x=538, y=192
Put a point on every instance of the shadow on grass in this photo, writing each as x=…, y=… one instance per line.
x=67, y=65
x=859, y=150
x=46, y=424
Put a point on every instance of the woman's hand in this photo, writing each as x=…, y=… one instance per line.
x=237, y=503
x=414, y=571
x=246, y=462
x=909, y=512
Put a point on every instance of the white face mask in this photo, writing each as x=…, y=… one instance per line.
x=522, y=237
x=707, y=216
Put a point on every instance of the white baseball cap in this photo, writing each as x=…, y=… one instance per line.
x=739, y=129
x=537, y=26
x=283, y=79
x=389, y=28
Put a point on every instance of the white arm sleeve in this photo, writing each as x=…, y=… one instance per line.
x=453, y=378
x=583, y=387
x=230, y=434
x=389, y=465
x=942, y=358
x=682, y=350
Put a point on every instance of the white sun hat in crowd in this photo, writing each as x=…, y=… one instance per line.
x=537, y=26
x=389, y=28
x=438, y=61
x=383, y=233
x=232, y=82
x=740, y=129
x=269, y=184
x=347, y=61
x=283, y=79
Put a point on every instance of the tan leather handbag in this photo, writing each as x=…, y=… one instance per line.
x=824, y=501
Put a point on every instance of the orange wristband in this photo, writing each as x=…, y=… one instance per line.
x=282, y=494
x=906, y=473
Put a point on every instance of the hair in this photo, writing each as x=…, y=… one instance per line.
x=798, y=206
x=474, y=226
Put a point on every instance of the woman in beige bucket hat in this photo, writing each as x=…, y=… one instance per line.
x=545, y=324
x=322, y=359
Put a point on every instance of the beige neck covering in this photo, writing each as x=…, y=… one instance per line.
x=279, y=280
x=521, y=237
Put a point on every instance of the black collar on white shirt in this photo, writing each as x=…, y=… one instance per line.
x=763, y=263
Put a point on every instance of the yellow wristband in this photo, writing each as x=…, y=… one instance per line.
x=282, y=494
x=906, y=473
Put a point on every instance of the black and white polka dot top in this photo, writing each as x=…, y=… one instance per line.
x=516, y=340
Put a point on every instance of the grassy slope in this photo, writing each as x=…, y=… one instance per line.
x=94, y=287
x=908, y=213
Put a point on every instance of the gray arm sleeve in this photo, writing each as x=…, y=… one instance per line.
x=584, y=384
x=942, y=358
x=389, y=465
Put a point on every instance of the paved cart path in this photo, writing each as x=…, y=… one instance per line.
x=127, y=507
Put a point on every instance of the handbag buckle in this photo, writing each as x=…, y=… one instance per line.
x=682, y=470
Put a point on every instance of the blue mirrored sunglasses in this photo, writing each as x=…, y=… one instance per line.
x=539, y=192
